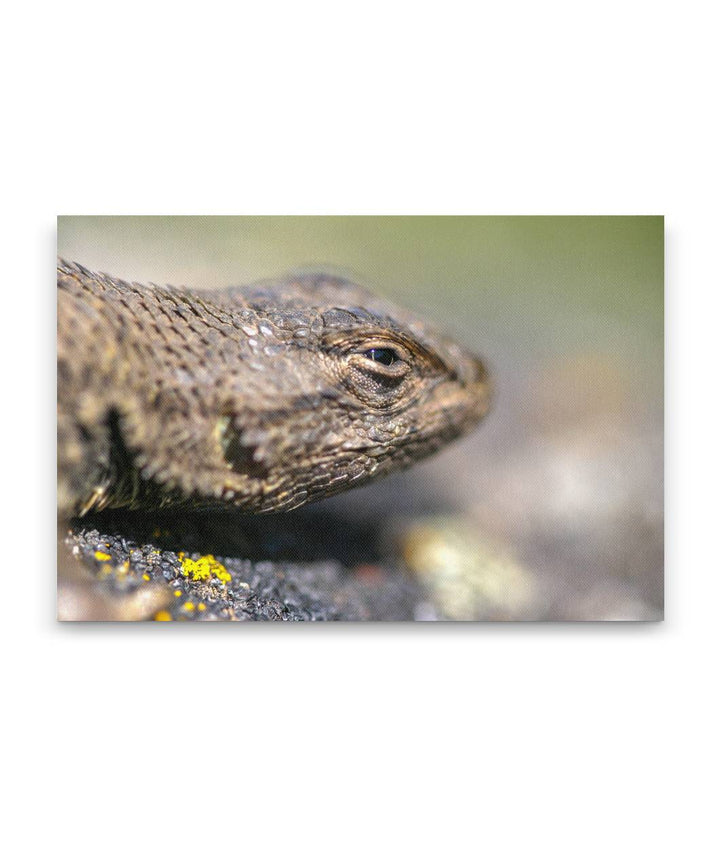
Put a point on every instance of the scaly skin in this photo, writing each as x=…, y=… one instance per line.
x=262, y=397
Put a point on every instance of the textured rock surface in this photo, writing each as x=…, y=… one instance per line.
x=143, y=574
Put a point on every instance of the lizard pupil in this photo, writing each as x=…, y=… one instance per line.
x=385, y=356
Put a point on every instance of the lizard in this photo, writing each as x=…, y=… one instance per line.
x=259, y=397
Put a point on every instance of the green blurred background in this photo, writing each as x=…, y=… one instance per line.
x=612, y=264
x=566, y=473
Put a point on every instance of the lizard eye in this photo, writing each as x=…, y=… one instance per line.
x=384, y=356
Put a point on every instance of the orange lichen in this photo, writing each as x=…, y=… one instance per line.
x=163, y=615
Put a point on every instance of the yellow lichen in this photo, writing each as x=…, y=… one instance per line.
x=203, y=569
x=163, y=615
x=188, y=606
x=177, y=593
x=146, y=577
x=201, y=607
x=102, y=557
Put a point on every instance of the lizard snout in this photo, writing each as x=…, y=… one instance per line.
x=472, y=372
x=475, y=380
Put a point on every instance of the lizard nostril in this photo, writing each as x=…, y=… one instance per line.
x=481, y=373
x=472, y=371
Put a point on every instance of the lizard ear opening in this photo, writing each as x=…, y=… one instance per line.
x=239, y=454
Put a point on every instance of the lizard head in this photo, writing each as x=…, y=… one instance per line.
x=263, y=397
x=357, y=388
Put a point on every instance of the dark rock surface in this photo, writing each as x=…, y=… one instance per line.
x=296, y=567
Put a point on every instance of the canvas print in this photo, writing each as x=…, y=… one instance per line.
x=360, y=418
